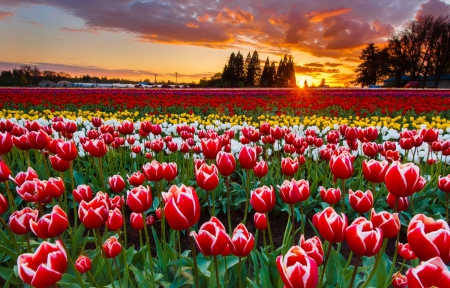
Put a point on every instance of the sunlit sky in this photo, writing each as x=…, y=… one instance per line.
x=138, y=39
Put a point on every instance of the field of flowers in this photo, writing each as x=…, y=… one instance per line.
x=224, y=188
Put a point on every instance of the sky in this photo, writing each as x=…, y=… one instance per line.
x=194, y=38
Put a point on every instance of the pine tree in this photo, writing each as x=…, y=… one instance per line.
x=255, y=64
x=292, y=81
x=238, y=70
x=264, y=81
x=248, y=70
x=228, y=71
x=280, y=73
x=271, y=80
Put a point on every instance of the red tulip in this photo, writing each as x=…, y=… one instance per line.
x=341, y=165
x=261, y=169
x=406, y=143
x=360, y=201
x=54, y=187
x=136, y=221
x=363, y=238
x=370, y=149
x=399, y=280
x=389, y=223
x=289, y=166
x=4, y=172
x=429, y=238
x=263, y=199
x=402, y=202
x=210, y=147
x=136, y=149
x=241, y=242
x=126, y=128
x=331, y=225
x=21, y=142
x=375, y=171
x=431, y=273
x=403, y=180
x=333, y=137
x=207, y=177
x=38, y=139
x=115, y=220
x=96, y=148
x=330, y=195
x=170, y=171
x=29, y=175
x=58, y=164
x=83, y=264
x=82, y=192
x=45, y=267
x=67, y=150
x=50, y=225
x=313, y=248
x=3, y=204
x=371, y=133
x=157, y=145
x=247, y=157
x=149, y=220
x=226, y=163
x=430, y=135
x=94, y=214
x=136, y=179
x=276, y=132
x=294, y=191
x=19, y=221
x=112, y=247
x=139, y=199
x=264, y=128
x=404, y=250
x=211, y=238
x=260, y=221
x=297, y=269
x=6, y=143
x=116, y=202
x=444, y=183
x=116, y=183
x=153, y=171
x=182, y=208
x=32, y=191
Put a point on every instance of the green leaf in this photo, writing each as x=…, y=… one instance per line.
x=333, y=266
x=68, y=280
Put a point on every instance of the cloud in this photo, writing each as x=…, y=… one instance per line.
x=433, y=7
x=329, y=64
x=314, y=69
x=32, y=23
x=5, y=15
x=322, y=28
x=315, y=64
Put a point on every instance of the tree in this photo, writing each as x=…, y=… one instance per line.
x=440, y=55
x=248, y=70
x=374, y=65
x=272, y=75
x=305, y=84
x=264, y=81
x=290, y=73
x=238, y=70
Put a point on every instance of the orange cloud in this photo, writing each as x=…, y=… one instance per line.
x=191, y=25
x=317, y=16
x=4, y=15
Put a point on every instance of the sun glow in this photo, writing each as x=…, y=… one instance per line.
x=300, y=79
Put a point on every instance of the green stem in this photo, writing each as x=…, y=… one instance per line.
x=354, y=271
x=92, y=279
x=213, y=198
x=194, y=257
x=13, y=237
x=377, y=263
x=27, y=155
x=247, y=196
x=303, y=216
x=270, y=233
x=293, y=223
x=149, y=250
x=216, y=266
x=124, y=227
x=348, y=261
x=394, y=259
x=45, y=165
x=27, y=237
x=400, y=270
x=446, y=207
x=12, y=206
x=343, y=196
x=71, y=261
x=227, y=185
x=264, y=238
x=100, y=168
x=163, y=215
x=118, y=272
x=240, y=272
x=322, y=273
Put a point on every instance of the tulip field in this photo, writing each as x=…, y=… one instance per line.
x=224, y=188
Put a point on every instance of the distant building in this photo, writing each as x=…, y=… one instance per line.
x=65, y=84
x=47, y=83
x=444, y=82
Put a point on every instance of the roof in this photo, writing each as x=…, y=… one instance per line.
x=420, y=78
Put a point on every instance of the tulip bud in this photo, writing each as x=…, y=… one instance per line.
x=207, y=177
x=330, y=195
x=112, y=247
x=363, y=238
x=82, y=192
x=360, y=201
x=260, y=221
x=211, y=238
x=182, y=207
x=83, y=264
x=115, y=220
x=136, y=221
x=116, y=183
x=241, y=242
x=297, y=269
x=431, y=273
x=136, y=179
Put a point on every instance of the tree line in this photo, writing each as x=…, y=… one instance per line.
x=238, y=72
x=420, y=50
x=31, y=76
